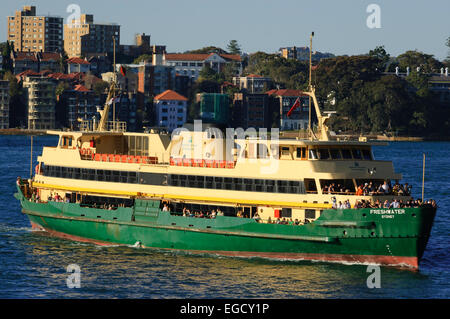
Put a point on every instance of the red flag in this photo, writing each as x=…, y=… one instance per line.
x=296, y=104
x=123, y=71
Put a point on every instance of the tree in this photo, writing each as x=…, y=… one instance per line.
x=207, y=74
x=63, y=62
x=100, y=87
x=5, y=49
x=17, y=105
x=413, y=59
x=380, y=53
x=61, y=87
x=234, y=48
x=143, y=57
x=209, y=49
x=447, y=43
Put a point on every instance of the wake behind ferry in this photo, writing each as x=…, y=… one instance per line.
x=318, y=198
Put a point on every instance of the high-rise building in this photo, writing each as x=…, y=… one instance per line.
x=33, y=33
x=4, y=104
x=41, y=101
x=80, y=104
x=85, y=37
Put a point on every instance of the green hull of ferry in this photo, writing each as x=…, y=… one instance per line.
x=396, y=237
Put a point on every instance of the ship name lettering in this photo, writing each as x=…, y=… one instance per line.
x=387, y=211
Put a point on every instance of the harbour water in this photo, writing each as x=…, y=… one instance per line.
x=33, y=265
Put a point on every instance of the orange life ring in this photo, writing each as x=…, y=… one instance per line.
x=83, y=151
x=88, y=151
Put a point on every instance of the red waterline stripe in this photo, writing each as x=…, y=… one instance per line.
x=412, y=262
x=71, y=237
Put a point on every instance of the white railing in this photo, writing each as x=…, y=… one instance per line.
x=90, y=126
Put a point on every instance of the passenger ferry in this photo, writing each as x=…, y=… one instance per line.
x=204, y=192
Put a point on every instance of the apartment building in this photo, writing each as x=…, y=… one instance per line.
x=50, y=61
x=29, y=32
x=23, y=61
x=171, y=110
x=253, y=83
x=155, y=79
x=251, y=110
x=85, y=37
x=4, y=104
x=79, y=103
x=41, y=100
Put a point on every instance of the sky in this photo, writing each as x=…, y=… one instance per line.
x=340, y=27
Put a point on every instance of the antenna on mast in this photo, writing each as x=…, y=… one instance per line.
x=310, y=84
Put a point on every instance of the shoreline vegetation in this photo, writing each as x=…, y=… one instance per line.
x=284, y=134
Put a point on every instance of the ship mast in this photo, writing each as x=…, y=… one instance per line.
x=110, y=97
x=321, y=120
x=310, y=133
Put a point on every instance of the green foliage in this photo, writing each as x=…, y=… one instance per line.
x=100, y=87
x=5, y=50
x=367, y=101
x=209, y=49
x=414, y=59
x=234, y=48
x=143, y=57
x=17, y=103
x=420, y=82
x=63, y=62
x=380, y=53
x=447, y=43
x=60, y=88
x=287, y=73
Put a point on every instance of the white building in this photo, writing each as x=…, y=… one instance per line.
x=75, y=65
x=191, y=64
x=171, y=110
x=41, y=100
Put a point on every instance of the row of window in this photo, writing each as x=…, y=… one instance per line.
x=335, y=153
x=195, y=181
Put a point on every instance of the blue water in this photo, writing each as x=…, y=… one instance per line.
x=34, y=266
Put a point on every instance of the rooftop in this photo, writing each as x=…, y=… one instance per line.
x=199, y=56
x=76, y=60
x=170, y=95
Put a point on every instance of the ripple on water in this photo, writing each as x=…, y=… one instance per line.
x=35, y=266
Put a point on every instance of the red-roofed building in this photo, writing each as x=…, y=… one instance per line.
x=49, y=61
x=23, y=61
x=78, y=65
x=171, y=110
x=190, y=64
x=22, y=75
x=282, y=101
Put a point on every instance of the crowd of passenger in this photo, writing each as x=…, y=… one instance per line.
x=379, y=204
x=370, y=189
